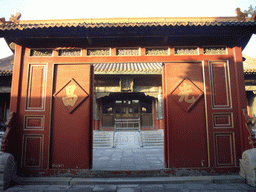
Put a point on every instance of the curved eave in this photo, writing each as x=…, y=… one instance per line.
x=104, y=25
x=6, y=73
x=249, y=65
x=126, y=22
x=191, y=29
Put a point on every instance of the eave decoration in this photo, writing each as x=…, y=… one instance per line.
x=13, y=19
x=244, y=16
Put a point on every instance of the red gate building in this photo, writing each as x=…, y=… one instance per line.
x=183, y=75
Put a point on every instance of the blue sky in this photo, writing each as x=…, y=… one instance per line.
x=61, y=9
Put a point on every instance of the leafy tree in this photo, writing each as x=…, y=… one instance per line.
x=251, y=11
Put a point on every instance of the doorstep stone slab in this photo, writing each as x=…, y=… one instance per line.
x=104, y=188
x=86, y=181
x=228, y=179
x=157, y=180
x=129, y=180
x=43, y=180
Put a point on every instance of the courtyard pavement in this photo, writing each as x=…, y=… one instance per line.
x=231, y=187
x=133, y=159
x=128, y=158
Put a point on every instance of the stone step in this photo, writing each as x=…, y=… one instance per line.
x=152, y=143
x=128, y=180
x=149, y=138
x=102, y=146
x=152, y=135
x=128, y=139
x=102, y=138
x=102, y=141
x=152, y=138
x=126, y=129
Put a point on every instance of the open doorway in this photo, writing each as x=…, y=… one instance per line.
x=127, y=135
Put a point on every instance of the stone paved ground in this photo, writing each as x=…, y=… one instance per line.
x=232, y=187
x=128, y=158
x=133, y=159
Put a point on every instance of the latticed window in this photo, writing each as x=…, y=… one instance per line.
x=186, y=51
x=41, y=52
x=215, y=50
x=70, y=52
x=128, y=51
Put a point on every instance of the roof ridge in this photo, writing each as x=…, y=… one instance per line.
x=129, y=19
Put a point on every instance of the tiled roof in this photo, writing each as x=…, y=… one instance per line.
x=249, y=65
x=127, y=22
x=128, y=68
x=6, y=66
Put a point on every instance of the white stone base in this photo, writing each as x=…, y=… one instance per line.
x=8, y=170
x=248, y=166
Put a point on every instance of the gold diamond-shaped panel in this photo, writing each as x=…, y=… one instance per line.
x=71, y=95
x=186, y=94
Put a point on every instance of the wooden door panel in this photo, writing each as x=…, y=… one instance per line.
x=224, y=149
x=33, y=151
x=223, y=121
x=71, y=131
x=185, y=115
x=220, y=87
x=146, y=120
x=35, y=96
x=200, y=134
x=33, y=117
x=108, y=120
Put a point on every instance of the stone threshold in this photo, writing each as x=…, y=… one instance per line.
x=128, y=180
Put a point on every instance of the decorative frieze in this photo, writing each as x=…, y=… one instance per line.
x=128, y=51
x=69, y=52
x=186, y=51
x=98, y=52
x=215, y=50
x=157, y=51
x=41, y=52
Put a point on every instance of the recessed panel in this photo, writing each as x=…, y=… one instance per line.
x=35, y=98
x=32, y=151
x=220, y=86
x=33, y=122
x=224, y=149
x=224, y=120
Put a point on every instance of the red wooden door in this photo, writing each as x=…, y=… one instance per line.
x=223, y=114
x=71, y=131
x=202, y=119
x=185, y=115
x=33, y=118
x=55, y=117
